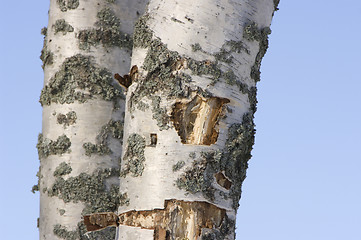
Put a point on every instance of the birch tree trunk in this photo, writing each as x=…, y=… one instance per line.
x=189, y=125
x=86, y=42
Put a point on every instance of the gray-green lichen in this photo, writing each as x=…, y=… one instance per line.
x=196, y=47
x=65, y=5
x=176, y=167
x=142, y=106
x=142, y=36
x=67, y=119
x=107, y=32
x=46, y=56
x=133, y=160
x=225, y=53
x=79, y=79
x=205, y=68
x=99, y=149
x=232, y=159
x=44, y=31
x=80, y=233
x=251, y=32
x=61, y=25
x=89, y=189
x=123, y=199
x=112, y=129
x=48, y=147
x=62, y=169
x=159, y=113
x=36, y=187
x=61, y=212
x=161, y=65
x=195, y=180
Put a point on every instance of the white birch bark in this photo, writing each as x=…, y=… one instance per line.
x=86, y=42
x=189, y=116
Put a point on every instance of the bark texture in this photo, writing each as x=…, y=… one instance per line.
x=189, y=125
x=85, y=43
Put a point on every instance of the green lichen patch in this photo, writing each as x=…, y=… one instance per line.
x=112, y=129
x=225, y=53
x=251, y=32
x=195, y=179
x=142, y=36
x=62, y=169
x=61, y=25
x=124, y=200
x=89, y=189
x=99, y=149
x=232, y=159
x=176, y=167
x=44, y=31
x=192, y=155
x=160, y=64
x=46, y=56
x=61, y=212
x=230, y=77
x=164, y=76
x=79, y=79
x=236, y=154
x=205, y=68
x=142, y=106
x=80, y=233
x=107, y=32
x=48, y=147
x=66, y=5
x=160, y=114
x=196, y=47
x=67, y=119
x=134, y=156
x=36, y=187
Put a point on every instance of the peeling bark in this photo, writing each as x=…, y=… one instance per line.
x=178, y=220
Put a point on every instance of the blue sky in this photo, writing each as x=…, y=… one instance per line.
x=304, y=180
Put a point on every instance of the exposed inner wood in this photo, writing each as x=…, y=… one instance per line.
x=100, y=221
x=223, y=181
x=126, y=80
x=196, y=121
x=178, y=220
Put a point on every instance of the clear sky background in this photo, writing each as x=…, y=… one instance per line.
x=304, y=180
